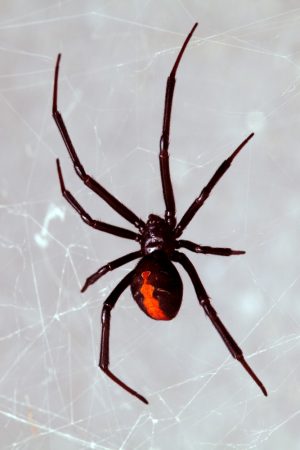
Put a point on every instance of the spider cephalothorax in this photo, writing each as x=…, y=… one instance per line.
x=155, y=282
x=157, y=235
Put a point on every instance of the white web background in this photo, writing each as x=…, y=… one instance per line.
x=240, y=73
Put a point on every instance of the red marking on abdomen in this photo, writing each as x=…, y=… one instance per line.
x=151, y=303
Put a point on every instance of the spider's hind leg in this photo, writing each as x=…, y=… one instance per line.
x=204, y=301
x=104, y=347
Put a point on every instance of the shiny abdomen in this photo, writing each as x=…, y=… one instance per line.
x=157, y=287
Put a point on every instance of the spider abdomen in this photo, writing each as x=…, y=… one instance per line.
x=157, y=287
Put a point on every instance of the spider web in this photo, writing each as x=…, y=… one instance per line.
x=240, y=73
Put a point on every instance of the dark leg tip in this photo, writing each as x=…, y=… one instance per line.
x=84, y=288
x=238, y=252
x=143, y=400
x=264, y=391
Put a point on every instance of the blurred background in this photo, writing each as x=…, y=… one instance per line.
x=240, y=73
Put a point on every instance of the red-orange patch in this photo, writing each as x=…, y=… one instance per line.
x=151, y=303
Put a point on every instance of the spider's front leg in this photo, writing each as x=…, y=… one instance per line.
x=205, y=193
x=79, y=169
x=164, y=139
x=97, y=224
x=204, y=301
x=104, y=346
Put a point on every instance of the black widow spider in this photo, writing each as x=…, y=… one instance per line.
x=155, y=283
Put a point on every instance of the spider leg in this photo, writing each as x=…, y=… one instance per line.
x=198, y=202
x=97, y=224
x=110, y=266
x=164, y=140
x=207, y=250
x=104, y=348
x=204, y=301
x=87, y=179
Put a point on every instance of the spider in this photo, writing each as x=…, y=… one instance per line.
x=155, y=283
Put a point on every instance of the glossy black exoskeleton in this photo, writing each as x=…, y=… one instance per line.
x=155, y=283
